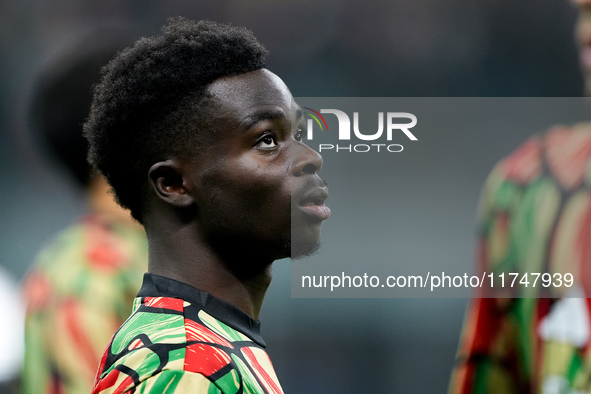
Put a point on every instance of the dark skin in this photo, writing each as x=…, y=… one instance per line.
x=217, y=221
x=583, y=38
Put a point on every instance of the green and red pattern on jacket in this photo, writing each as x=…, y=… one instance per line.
x=160, y=350
x=79, y=291
x=535, y=217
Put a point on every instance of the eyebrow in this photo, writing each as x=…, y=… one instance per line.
x=252, y=120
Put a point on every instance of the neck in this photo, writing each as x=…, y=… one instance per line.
x=101, y=200
x=178, y=255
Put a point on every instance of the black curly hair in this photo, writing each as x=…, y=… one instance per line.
x=149, y=104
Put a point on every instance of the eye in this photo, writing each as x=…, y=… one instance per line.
x=267, y=142
x=298, y=135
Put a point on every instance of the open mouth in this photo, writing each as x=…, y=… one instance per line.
x=313, y=204
x=316, y=201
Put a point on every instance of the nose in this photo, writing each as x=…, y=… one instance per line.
x=305, y=160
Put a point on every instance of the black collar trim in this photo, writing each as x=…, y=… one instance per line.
x=160, y=286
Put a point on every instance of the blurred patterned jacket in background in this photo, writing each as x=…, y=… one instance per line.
x=79, y=292
x=535, y=217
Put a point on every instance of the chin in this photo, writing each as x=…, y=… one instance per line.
x=304, y=240
x=300, y=249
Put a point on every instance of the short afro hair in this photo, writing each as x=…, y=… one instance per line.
x=147, y=105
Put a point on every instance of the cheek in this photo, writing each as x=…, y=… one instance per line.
x=268, y=194
x=250, y=193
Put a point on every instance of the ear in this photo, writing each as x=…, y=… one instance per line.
x=167, y=180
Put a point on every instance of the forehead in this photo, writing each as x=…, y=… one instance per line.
x=242, y=95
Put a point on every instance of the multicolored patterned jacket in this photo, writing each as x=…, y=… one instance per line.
x=79, y=291
x=182, y=340
x=535, y=217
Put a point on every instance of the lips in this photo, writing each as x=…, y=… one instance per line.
x=312, y=204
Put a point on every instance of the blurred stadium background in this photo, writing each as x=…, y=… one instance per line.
x=320, y=48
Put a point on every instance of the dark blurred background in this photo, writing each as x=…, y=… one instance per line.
x=320, y=48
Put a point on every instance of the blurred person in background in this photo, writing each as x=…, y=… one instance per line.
x=535, y=217
x=83, y=283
